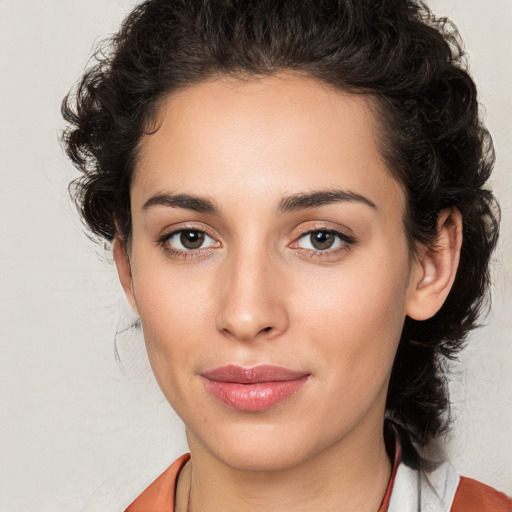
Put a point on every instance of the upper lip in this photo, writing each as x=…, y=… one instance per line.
x=252, y=375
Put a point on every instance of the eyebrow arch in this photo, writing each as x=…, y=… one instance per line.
x=186, y=201
x=303, y=201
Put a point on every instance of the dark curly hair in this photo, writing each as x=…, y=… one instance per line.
x=397, y=51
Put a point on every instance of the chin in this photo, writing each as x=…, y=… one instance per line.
x=260, y=447
x=267, y=458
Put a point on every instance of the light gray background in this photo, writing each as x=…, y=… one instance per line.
x=75, y=433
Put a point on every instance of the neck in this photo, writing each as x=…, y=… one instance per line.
x=351, y=475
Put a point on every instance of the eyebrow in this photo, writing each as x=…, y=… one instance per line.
x=186, y=201
x=300, y=201
x=303, y=201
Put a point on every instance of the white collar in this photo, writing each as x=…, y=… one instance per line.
x=416, y=490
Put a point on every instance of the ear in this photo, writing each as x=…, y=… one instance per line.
x=434, y=269
x=124, y=271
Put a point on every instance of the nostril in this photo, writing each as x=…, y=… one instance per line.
x=266, y=329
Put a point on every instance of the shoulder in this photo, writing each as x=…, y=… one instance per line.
x=420, y=484
x=443, y=490
x=473, y=496
x=159, y=496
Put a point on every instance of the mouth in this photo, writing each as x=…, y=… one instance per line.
x=253, y=389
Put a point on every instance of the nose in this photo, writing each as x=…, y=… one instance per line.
x=252, y=298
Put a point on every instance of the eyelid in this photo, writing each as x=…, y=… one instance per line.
x=171, y=231
x=184, y=226
x=308, y=228
x=348, y=240
x=344, y=237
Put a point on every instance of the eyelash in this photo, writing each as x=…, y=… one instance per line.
x=184, y=254
x=346, y=240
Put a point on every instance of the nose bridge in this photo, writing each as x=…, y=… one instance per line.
x=251, y=302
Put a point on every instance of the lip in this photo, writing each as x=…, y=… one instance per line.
x=253, y=389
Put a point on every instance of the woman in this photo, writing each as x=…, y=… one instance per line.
x=295, y=197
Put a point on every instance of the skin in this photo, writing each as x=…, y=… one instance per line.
x=257, y=291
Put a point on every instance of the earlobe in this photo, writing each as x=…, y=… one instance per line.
x=122, y=262
x=435, y=268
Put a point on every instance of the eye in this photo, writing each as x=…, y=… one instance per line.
x=324, y=240
x=188, y=240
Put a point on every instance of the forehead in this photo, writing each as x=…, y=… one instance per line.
x=273, y=136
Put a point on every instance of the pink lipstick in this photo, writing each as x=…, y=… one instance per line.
x=253, y=389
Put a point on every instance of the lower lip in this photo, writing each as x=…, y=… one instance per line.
x=254, y=397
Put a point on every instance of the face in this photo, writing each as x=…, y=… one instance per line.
x=269, y=266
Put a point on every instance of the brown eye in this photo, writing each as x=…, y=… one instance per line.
x=322, y=240
x=187, y=240
x=192, y=239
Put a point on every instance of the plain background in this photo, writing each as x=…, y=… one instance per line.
x=76, y=432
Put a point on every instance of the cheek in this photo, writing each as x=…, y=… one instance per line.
x=358, y=318
x=175, y=308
